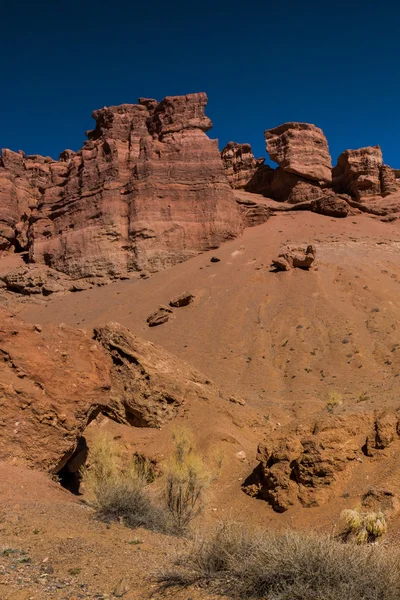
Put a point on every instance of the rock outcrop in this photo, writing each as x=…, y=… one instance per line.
x=32, y=279
x=357, y=172
x=302, y=153
x=55, y=380
x=17, y=197
x=147, y=190
x=303, y=465
x=240, y=164
x=301, y=149
x=148, y=384
x=183, y=299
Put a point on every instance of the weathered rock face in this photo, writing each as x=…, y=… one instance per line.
x=389, y=182
x=148, y=384
x=17, y=197
x=301, y=149
x=240, y=164
x=32, y=279
x=304, y=466
x=55, y=380
x=358, y=172
x=146, y=191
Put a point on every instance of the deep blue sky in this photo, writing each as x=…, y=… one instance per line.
x=261, y=63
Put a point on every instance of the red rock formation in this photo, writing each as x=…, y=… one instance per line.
x=55, y=380
x=302, y=153
x=389, y=183
x=303, y=465
x=301, y=149
x=240, y=164
x=146, y=191
x=17, y=197
x=357, y=172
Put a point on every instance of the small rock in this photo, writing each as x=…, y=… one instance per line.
x=160, y=316
x=122, y=588
x=241, y=455
x=214, y=259
x=237, y=400
x=183, y=299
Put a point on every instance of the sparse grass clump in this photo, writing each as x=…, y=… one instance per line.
x=334, y=399
x=186, y=479
x=116, y=487
x=364, y=528
x=242, y=563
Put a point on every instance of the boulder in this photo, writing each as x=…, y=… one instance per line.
x=240, y=164
x=183, y=299
x=331, y=206
x=301, y=149
x=292, y=258
x=159, y=316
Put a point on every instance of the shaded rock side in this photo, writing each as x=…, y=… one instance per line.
x=240, y=164
x=146, y=191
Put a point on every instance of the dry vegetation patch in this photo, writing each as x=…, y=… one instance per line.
x=248, y=564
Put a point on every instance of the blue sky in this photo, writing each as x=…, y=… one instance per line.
x=261, y=64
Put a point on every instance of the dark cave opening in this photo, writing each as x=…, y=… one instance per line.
x=70, y=476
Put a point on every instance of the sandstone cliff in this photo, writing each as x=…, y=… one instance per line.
x=146, y=191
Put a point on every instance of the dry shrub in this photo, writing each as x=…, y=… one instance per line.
x=116, y=487
x=334, y=399
x=242, y=563
x=186, y=479
x=364, y=527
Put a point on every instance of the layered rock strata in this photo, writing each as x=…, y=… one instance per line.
x=240, y=164
x=146, y=191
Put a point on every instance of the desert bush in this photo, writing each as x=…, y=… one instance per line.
x=334, y=399
x=242, y=563
x=363, y=527
x=116, y=487
x=186, y=478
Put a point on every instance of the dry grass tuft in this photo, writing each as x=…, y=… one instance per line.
x=116, y=487
x=364, y=528
x=186, y=479
x=247, y=564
